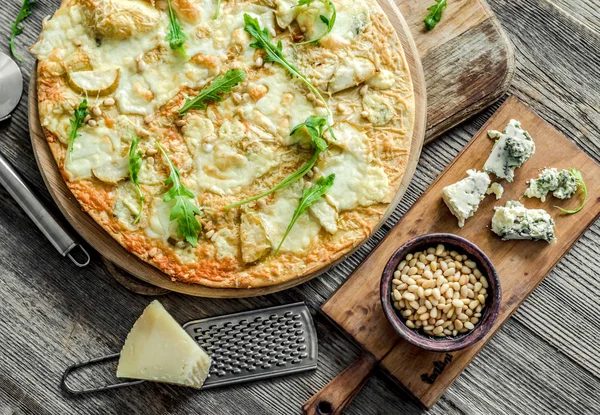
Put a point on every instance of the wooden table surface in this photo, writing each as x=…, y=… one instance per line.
x=546, y=358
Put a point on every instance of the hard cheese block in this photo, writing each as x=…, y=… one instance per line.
x=158, y=349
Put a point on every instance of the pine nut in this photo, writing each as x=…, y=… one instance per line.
x=484, y=282
x=464, y=291
x=468, y=325
x=407, y=313
x=470, y=264
x=458, y=324
x=424, y=316
x=439, y=249
x=410, y=324
x=449, y=271
x=422, y=310
x=409, y=296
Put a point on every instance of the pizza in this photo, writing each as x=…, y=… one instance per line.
x=232, y=144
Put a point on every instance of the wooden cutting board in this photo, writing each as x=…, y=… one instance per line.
x=521, y=265
x=467, y=59
x=115, y=253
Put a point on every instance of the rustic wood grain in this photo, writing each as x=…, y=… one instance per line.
x=467, y=59
x=52, y=313
x=93, y=233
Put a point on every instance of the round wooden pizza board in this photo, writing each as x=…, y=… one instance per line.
x=116, y=254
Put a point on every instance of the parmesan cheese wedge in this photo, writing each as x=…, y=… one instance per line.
x=158, y=349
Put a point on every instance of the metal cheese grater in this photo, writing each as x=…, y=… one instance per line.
x=243, y=347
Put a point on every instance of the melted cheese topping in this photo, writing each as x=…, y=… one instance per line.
x=277, y=217
x=358, y=182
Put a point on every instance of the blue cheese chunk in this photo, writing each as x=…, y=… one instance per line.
x=514, y=221
x=463, y=197
x=513, y=147
x=497, y=189
x=562, y=184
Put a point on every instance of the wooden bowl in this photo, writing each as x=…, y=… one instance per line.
x=449, y=343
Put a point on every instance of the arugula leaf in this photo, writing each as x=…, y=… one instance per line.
x=176, y=37
x=17, y=28
x=218, y=10
x=77, y=122
x=135, y=164
x=328, y=21
x=435, y=14
x=309, y=197
x=184, y=210
x=577, y=174
x=222, y=84
x=275, y=53
x=316, y=128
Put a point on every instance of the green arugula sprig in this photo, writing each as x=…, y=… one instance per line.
x=135, y=164
x=216, y=16
x=579, y=178
x=316, y=127
x=275, y=54
x=329, y=21
x=184, y=210
x=176, y=37
x=435, y=14
x=309, y=197
x=77, y=122
x=17, y=28
x=222, y=84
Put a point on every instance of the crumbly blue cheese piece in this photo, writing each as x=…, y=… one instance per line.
x=463, y=197
x=514, y=221
x=497, y=189
x=562, y=184
x=513, y=147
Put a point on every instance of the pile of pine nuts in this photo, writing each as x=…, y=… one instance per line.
x=441, y=292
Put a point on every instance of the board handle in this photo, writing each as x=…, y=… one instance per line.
x=337, y=394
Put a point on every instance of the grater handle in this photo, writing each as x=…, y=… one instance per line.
x=337, y=394
x=65, y=386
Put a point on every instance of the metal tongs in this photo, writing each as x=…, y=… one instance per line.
x=11, y=89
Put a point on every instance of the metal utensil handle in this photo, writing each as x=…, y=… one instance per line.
x=43, y=219
x=68, y=389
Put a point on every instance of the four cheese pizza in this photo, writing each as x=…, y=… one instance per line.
x=240, y=143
